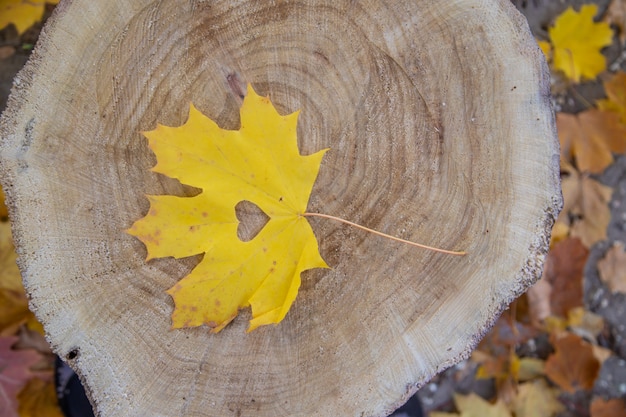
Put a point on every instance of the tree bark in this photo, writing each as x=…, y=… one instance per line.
x=441, y=131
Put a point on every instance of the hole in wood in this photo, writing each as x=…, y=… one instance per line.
x=72, y=354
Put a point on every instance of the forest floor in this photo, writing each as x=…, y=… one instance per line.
x=560, y=350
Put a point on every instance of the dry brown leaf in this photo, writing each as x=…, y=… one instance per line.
x=612, y=268
x=601, y=353
x=590, y=137
x=573, y=366
x=560, y=288
x=615, y=407
x=536, y=399
x=585, y=207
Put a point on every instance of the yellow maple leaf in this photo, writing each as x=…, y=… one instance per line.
x=259, y=163
x=22, y=13
x=577, y=41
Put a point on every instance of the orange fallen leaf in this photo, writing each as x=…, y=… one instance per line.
x=259, y=163
x=615, y=88
x=573, y=366
x=22, y=13
x=38, y=399
x=612, y=268
x=590, y=137
x=3, y=208
x=576, y=43
x=615, y=407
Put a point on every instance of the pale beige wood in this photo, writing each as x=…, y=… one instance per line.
x=438, y=118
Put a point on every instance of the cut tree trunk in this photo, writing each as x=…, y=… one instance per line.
x=440, y=130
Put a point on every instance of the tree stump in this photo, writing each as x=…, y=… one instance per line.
x=440, y=130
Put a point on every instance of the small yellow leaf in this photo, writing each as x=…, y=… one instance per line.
x=577, y=41
x=261, y=164
x=22, y=13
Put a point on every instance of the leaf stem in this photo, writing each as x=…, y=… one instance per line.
x=397, y=239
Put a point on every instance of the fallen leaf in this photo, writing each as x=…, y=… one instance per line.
x=22, y=13
x=38, y=399
x=615, y=407
x=4, y=213
x=590, y=138
x=536, y=399
x=577, y=40
x=560, y=232
x=615, y=88
x=13, y=311
x=10, y=278
x=585, y=206
x=585, y=322
x=530, y=368
x=601, y=353
x=612, y=268
x=259, y=163
x=573, y=366
x=560, y=288
x=473, y=405
x=564, y=271
x=616, y=15
x=14, y=373
x=539, y=300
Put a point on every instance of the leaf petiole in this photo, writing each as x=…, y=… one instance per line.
x=397, y=239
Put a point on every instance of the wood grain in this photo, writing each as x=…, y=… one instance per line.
x=440, y=129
